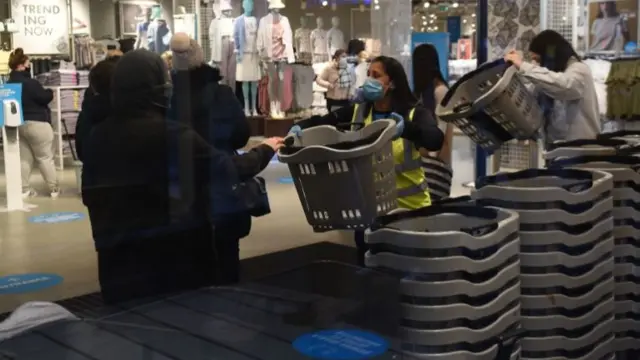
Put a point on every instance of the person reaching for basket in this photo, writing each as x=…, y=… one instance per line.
x=387, y=95
x=564, y=86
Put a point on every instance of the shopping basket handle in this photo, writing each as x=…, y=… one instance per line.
x=349, y=126
x=464, y=109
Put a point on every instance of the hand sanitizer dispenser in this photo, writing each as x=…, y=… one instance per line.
x=12, y=116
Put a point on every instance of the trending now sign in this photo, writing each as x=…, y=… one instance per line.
x=43, y=26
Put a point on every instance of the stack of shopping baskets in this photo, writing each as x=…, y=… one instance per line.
x=460, y=279
x=344, y=179
x=491, y=105
x=626, y=213
x=566, y=257
x=567, y=149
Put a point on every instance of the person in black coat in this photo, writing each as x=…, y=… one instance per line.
x=148, y=189
x=36, y=134
x=217, y=116
x=96, y=104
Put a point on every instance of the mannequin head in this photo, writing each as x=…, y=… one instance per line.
x=275, y=6
x=247, y=5
x=147, y=14
x=225, y=8
x=319, y=22
x=335, y=21
x=303, y=21
x=156, y=12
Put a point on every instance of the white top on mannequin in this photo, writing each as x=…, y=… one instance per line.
x=265, y=36
x=220, y=28
x=319, y=38
x=302, y=36
x=335, y=37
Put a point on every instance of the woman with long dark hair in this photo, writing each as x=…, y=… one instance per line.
x=430, y=87
x=387, y=96
x=564, y=87
x=608, y=29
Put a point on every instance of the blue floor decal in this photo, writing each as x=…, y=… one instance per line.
x=285, y=180
x=54, y=218
x=26, y=283
x=341, y=345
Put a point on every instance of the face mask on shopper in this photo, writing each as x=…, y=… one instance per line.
x=342, y=64
x=372, y=90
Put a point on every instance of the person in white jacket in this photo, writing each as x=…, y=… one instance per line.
x=564, y=86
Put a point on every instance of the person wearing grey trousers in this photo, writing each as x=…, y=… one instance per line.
x=36, y=149
x=36, y=134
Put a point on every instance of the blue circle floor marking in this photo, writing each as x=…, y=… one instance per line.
x=286, y=180
x=341, y=345
x=26, y=283
x=58, y=217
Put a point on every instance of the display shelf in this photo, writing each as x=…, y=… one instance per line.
x=57, y=112
x=278, y=127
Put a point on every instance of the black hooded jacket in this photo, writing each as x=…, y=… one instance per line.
x=95, y=109
x=145, y=176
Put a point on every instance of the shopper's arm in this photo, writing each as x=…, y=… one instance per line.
x=423, y=130
x=567, y=85
x=251, y=163
x=323, y=79
x=341, y=116
x=445, y=153
x=229, y=103
x=40, y=95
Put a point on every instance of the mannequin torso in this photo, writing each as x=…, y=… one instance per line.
x=303, y=40
x=335, y=37
x=275, y=38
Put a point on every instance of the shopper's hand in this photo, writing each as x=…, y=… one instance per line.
x=399, y=123
x=514, y=57
x=274, y=142
x=295, y=130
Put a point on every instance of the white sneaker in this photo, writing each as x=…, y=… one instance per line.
x=29, y=193
x=55, y=192
x=255, y=113
x=247, y=112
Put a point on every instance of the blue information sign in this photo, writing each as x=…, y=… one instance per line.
x=341, y=345
x=454, y=26
x=54, y=218
x=25, y=283
x=10, y=100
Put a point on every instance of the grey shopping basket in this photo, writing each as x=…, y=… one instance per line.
x=582, y=147
x=343, y=188
x=491, y=105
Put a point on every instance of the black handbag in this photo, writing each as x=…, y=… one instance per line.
x=253, y=194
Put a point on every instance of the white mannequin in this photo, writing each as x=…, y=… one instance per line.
x=335, y=37
x=142, y=42
x=275, y=46
x=302, y=38
x=221, y=44
x=319, y=42
x=245, y=33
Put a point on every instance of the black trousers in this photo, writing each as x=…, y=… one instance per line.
x=227, y=245
x=361, y=247
x=332, y=103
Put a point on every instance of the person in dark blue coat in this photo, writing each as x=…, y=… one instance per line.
x=36, y=134
x=217, y=116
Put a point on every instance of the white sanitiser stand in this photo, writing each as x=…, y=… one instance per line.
x=10, y=143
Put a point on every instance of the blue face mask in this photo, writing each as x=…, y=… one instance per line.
x=372, y=90
x=342, y=64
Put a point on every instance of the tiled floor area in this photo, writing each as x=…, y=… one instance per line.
x=67, y=249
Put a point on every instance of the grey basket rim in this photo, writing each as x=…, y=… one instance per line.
x=446, y=113
x=510, y=217
x=603, y=176
x=321, y=153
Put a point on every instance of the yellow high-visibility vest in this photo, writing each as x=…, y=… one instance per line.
x=411, y=184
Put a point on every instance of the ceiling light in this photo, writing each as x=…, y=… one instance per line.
x=426, y=4
x=473, y=15
x=377, y=7
x=435, y=28
x=464, y=21
x=424, y=23
x=424, y=17
x=325, y=3
x=564, y=18
x=430, y=21
x=455, y=4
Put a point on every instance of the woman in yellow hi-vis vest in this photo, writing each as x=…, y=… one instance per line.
x=386, y=95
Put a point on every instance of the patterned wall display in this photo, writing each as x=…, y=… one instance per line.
x=512, y=25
